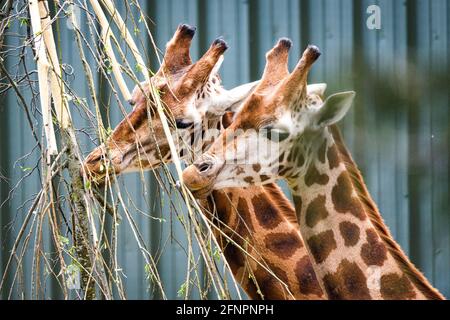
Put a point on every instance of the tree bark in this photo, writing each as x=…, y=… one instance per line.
x=82, y=238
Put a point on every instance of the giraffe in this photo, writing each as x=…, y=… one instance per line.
x=277, y=248
x=282, y=131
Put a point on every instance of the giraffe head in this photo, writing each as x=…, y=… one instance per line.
x=260, y=146
x=188, y=91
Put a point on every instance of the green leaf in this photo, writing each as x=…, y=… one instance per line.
x=63, y=240
x=181, y=292
x=108, y=66
x=216, y=254
x=23, y=22
x=147, y=271
x=72, y=251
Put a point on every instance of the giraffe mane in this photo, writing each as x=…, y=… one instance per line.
x=413, y=274
x=285, y=206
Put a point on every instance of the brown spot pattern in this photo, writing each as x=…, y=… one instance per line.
x=306, y=277
x=239, y=170
x=283, y=245
x=282, y=170
x=252, y=291
x=343, y=200
x=281, y=158
x=349, y=232
x=347, y=283
x=266, y=212
x=299, y=160
x=373, y=252
x=292, y=154
x=222, y=202
x=316, y=211
x=244, y=221
x=322, y=152
x=271, y=288
x=256, y=167
x=333, y=157
x=234, y=256
x=249, y=179
x=321, y=245
x=298, y=204
x=314, y=176
x=394, y=287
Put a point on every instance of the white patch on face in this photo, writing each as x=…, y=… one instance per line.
x=213, y=101
x=304, y=118
x=317, y=88
x=216, y=100
x=314, y=102
x=216, y=68
x=192, y=114
x=284, y=123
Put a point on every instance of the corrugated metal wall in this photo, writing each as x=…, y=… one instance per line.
x=398, y=129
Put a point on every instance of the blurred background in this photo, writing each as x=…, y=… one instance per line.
x=397, y=131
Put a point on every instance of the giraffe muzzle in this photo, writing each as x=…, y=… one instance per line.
x=201, y=175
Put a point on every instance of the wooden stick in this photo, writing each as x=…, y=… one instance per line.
x=56, y=83
x=106, y=38
x=127, y=36
x=43, y=76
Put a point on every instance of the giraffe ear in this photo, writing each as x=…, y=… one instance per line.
x=236, y=96
x=317, y=88
x=334, y=109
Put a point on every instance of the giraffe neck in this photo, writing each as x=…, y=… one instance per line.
x=353, y=254
x=263, y=222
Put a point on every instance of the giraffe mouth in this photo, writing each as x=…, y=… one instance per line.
x=199, y=185
x=203, y=192
x=98, y=172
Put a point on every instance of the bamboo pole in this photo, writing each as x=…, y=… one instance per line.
x=43, y=67
x=106, y=38
x=56, y=84
x=127, y=36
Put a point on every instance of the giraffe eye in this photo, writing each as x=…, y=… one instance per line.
x=274, y=134
x=183, y=124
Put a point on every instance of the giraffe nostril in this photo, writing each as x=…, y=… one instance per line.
x=93, y=158
x=203, y=167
